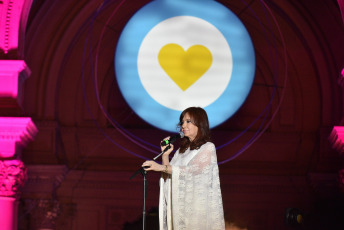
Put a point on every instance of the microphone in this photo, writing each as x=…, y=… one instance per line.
x=172, y=139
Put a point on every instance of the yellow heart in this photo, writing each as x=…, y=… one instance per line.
x=185, y=68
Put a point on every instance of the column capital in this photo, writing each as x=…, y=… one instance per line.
x=13, y=175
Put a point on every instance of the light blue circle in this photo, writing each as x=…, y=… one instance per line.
x=152, y=14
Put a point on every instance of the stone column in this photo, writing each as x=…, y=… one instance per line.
x=12, y=177
x=336, y=137
x=15, y=132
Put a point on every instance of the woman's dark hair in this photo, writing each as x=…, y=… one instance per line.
x=199, y=118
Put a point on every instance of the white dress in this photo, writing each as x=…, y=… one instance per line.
x=191, y=197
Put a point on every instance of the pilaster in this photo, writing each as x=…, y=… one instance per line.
x=337, y=135
x=15, y=132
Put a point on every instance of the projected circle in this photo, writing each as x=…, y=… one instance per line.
x=176, y=54
x=183, y=71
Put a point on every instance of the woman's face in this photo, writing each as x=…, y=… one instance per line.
x=189, y=129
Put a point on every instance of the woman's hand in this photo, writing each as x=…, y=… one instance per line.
x=153, y=166
x=164, y=147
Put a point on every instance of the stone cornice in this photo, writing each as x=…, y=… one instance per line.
x=13, y=74
x=14, y=132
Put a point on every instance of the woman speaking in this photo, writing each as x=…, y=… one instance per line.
x=190, y=193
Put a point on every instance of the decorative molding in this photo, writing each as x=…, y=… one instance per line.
x=15, y=132
x=13, y=74
x=6, y=23
x=13, y=175
x=13, y=23
x=336, y=138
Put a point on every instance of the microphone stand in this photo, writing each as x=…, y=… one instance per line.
x=145, y=185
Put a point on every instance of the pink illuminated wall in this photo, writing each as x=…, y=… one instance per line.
x=337, y=135
x=14, y=14
x=337, y=138
x=12, y=75
x=15, y=132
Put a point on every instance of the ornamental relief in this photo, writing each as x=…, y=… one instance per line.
x=13, y=175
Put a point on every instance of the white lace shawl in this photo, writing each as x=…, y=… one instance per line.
x=195, y=195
